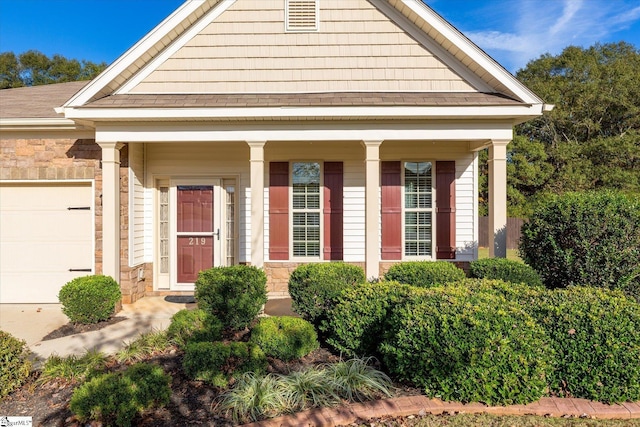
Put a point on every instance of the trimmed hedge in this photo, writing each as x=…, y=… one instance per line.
x=582, y=239
x=357, y=322
x=284, y=337
x=217, y=362
x=468, y=346
x=14, y=363
x=193, y=325
x=504, y=269
x=314, y=287
x=234, y=295
x=90, y=299
x=424, y=274
x=117, y=398
x=595, y=334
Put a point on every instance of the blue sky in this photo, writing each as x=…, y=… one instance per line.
x=512, y=31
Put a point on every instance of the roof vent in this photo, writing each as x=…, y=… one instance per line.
x=302, y=15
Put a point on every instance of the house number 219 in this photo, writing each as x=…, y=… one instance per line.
x=197, y=241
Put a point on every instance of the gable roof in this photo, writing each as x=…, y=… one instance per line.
x=413, y=16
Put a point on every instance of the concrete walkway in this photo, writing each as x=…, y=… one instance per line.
x=421, y=405
x=31, y=322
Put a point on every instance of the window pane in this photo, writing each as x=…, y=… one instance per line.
x=418, y=205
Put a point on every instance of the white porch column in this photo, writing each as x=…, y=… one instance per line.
x=498, y=198
x=257, y=202
x=111, y=209
x=372, y=208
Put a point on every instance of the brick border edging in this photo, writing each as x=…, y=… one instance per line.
x=421, y=405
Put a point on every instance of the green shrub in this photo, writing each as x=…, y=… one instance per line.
x=468, y=346
x=585, y=239
x=504, y=269
x=595, y=334
x=424, y=274
x=193, y=325
x=14, y=363
x=89, y=299
x=285, y=337
x=359, y=318
x=116, y=398
x=217, y=362
x=234, y=295
x=314, y=287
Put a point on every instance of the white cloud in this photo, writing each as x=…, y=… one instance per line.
x=530, y=28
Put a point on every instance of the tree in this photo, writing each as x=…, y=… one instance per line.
x=591, y=139
x=9, y=71
x=33, y=68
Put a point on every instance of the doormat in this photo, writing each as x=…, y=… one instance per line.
x=181, y=299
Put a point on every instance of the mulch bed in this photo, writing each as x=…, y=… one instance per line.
x=192, y=402
x=78, y=328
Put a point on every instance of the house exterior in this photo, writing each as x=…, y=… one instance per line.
x=262, y=132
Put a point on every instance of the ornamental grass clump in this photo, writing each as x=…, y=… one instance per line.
x=73, y=368
x=90, y=299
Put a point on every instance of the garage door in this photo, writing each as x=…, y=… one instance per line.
x=46, y=239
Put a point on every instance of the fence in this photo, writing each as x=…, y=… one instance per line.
x=513, y=232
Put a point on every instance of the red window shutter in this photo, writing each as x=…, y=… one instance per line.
x=445, y=210
x=279, y=210
x=333, y=209
x=391, y=181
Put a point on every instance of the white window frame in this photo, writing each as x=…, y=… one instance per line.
x=431, y=210
x=320, y=211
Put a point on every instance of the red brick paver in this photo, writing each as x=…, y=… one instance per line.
x=420, y=405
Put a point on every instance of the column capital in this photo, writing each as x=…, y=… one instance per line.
x=371, y=143
x=110, y=145
x=256, y=144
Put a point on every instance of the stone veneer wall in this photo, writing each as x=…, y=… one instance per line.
x=50, y=159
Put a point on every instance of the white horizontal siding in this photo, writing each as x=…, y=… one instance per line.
x=466, y=233
x=247, y=50
x=354, y=212
x=136, y=205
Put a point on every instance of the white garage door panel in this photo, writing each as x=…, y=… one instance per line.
x=41, y=239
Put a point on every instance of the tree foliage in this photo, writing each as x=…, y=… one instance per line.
x=33, y=68
x=590, y=140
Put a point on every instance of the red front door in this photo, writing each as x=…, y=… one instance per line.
x=195, y=231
